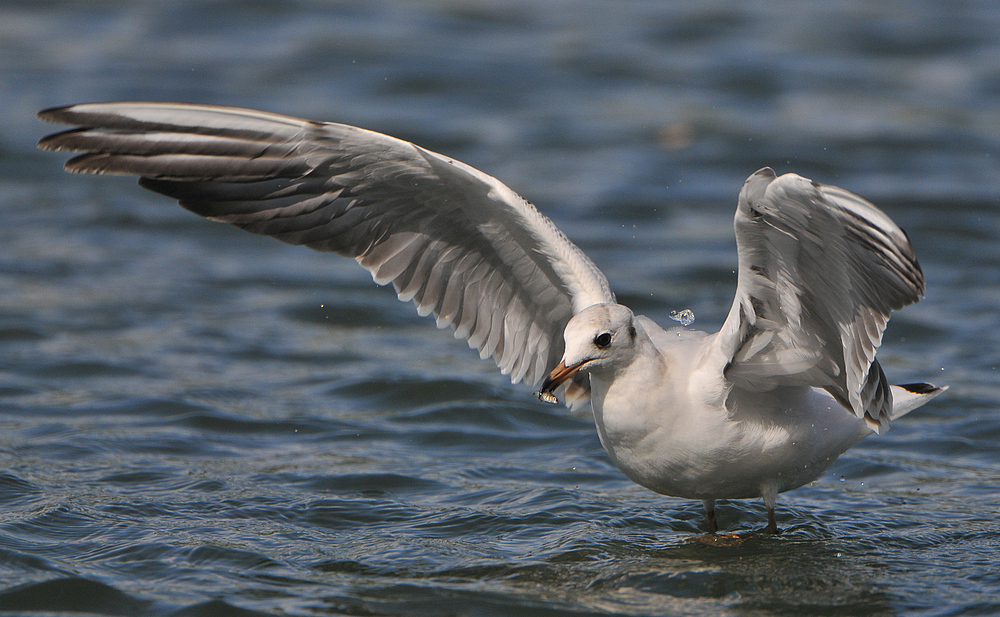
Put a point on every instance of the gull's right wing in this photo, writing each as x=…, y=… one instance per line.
x=455, y=241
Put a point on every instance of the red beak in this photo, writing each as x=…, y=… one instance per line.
x=559, y=375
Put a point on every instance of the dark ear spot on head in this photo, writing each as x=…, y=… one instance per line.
x=631, y=333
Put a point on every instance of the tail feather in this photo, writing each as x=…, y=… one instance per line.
x=907, y=397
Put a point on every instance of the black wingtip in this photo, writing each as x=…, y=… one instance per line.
x=57, y=141
x=55, y=114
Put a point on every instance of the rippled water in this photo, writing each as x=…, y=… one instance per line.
x=196, y=421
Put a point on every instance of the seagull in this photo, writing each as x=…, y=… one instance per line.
x=763, y=406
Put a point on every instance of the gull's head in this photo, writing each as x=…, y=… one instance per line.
x=600, y=337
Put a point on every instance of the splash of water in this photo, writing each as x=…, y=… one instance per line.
x=685, y=317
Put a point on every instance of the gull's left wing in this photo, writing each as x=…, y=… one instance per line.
x=820, y=270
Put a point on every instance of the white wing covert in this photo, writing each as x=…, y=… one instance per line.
x=455, y=241
x=820, y=271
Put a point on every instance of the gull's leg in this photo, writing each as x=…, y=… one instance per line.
x=769, y=494
x=772, y=525
x=710, y=514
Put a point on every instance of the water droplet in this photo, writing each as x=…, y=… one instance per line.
x=685, y=317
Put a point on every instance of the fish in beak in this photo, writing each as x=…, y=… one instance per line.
x=559, y=375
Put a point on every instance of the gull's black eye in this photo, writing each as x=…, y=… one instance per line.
x=603, y=340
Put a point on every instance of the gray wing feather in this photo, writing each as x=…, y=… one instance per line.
x=820, y=272
x=456, y=242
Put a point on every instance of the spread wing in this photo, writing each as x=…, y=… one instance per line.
x=456, y=242
x=820, y=270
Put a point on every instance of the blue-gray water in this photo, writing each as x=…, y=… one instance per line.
x=197, y=421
